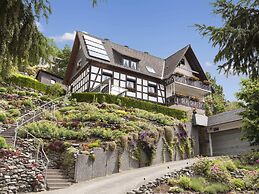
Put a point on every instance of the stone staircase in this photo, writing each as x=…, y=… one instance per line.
x=9, y=135
x=56, y=179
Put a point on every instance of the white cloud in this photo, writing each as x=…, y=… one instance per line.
x=208, y=64
x=39, y=26
x=68, y=36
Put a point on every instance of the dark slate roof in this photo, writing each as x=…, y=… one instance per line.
x=225, y=117
x=163, y=67
x=49, y=73
x=172, y=61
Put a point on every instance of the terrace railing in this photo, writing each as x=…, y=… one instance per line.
x=185, y=101
x=188, y=81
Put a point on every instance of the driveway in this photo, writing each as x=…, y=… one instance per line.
x=120, y=183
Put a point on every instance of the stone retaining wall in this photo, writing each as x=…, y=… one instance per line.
x=109, y=162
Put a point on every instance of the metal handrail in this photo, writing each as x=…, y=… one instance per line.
x=41, y=144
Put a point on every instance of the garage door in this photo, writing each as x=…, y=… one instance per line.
x=228, y=142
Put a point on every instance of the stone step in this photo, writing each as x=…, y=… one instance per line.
x=55, y=188
x=56, y=176
x=54, y=173
x=58, y=185
x=58, y=180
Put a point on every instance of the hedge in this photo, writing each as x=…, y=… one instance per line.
x=28, y=82
x=128, y=102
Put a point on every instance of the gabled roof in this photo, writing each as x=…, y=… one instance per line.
x=163, y=67
x=172, y=61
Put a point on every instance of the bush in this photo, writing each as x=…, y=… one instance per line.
x=55, y=90
x=175, y=189
x=3, y=90
x=3, y=143
x=128, y=102
x=198, y=184
x=185, y=182
x=50, y=130
x=2, y=116
x=95, y=144
x=28, y=103
x=216, y=188
x=238, y=184
x=28, y=82
x=21, y=93
x=14, y=112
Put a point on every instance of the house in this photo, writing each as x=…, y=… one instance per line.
x=48, y=78
x=99, y=65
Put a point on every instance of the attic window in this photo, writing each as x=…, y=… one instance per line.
x=150, y=69
x=129, y=63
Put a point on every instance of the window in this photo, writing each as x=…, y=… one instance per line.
x=129, y=63
x=106, y=76
x=52, y=81
x=150, y=69
x=152, y=89
x=126, y=63
x=131, y=84
x=133, y=65
x=181, y=63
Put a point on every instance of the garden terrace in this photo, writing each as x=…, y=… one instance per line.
x=129, y=102
x=80, y=127
x=16, y=101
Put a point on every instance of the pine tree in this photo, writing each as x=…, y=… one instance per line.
x=238, y=38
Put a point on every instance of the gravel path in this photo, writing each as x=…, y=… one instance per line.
x=123, y=182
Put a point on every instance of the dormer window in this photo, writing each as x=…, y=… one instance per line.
x=129, y=63
x=126, y=63
x=150, y=69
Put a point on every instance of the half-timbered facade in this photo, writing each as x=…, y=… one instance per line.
x=99, y=65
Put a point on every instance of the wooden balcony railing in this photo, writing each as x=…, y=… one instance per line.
x=185, y=101
x=188, y=81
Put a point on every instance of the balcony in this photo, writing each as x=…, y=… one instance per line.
x=191, y=81
x=185, y=101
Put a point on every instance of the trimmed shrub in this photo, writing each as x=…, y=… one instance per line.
x=28, y=82
x=3, y=143
x=128, y=102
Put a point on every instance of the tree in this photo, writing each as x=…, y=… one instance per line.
x=21, y=43
x=61, y=61
x=215, y=103
x=238, y=38
x=249, y=95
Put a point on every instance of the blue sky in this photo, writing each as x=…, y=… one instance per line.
x=159, y=27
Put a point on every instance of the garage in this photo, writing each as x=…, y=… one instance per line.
x=228, y=142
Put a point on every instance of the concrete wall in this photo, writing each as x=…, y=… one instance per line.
x=106, y=163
